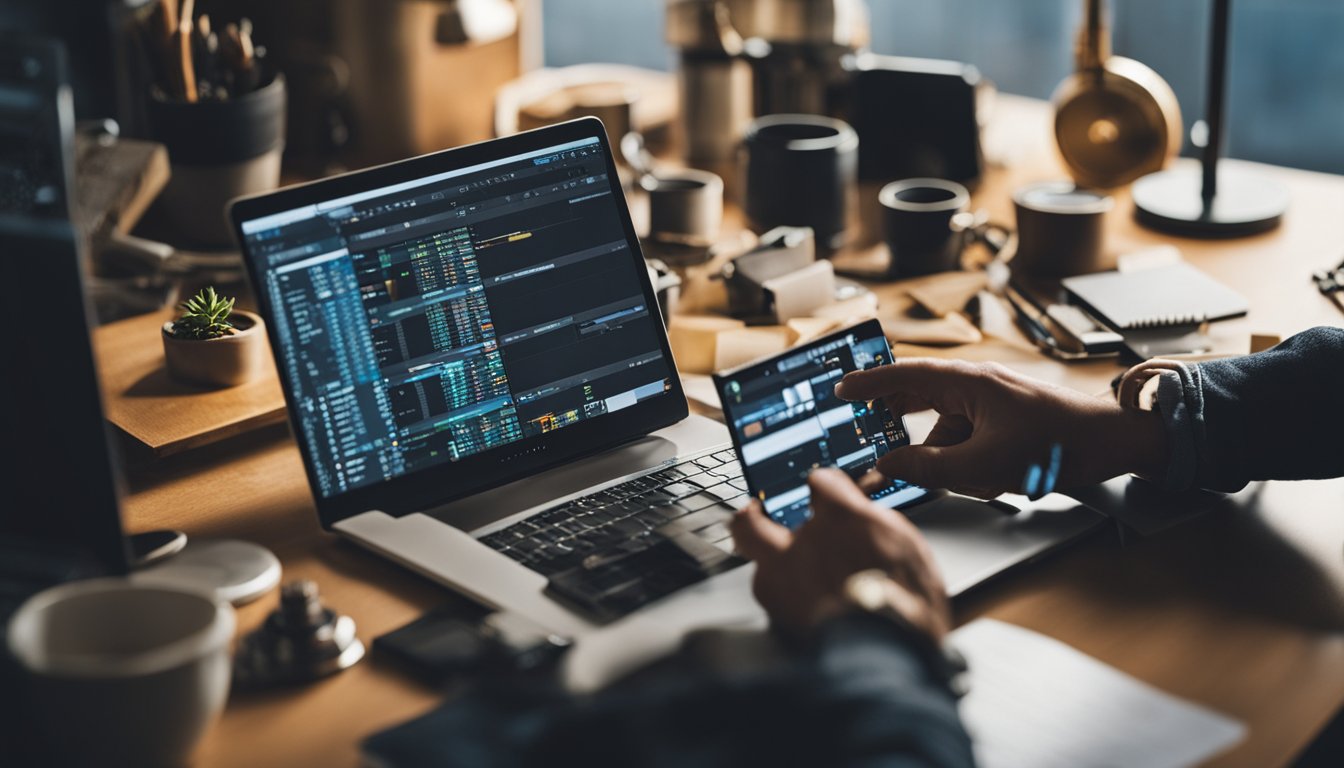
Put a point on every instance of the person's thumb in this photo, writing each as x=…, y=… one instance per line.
x=925, y=465
x=757, y=536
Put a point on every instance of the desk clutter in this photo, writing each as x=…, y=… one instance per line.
x=784, y=183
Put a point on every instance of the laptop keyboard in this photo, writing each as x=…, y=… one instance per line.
x=615, y=550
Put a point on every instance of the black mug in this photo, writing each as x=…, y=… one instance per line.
x=917, y=225
x=801, y=171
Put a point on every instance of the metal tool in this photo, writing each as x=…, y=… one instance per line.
x=1330, y=282
x=301, y=641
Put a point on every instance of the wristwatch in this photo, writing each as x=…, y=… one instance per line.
x=870, y=592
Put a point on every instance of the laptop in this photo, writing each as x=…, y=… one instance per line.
x=480, y=383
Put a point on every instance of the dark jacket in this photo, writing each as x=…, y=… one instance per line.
x=1275, y=415
x=859, y=695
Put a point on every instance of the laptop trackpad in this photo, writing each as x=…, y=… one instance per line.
x=974, y=541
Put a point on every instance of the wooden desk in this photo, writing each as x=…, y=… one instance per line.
x=1242, y=611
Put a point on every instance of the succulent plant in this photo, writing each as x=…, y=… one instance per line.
x=204, y=316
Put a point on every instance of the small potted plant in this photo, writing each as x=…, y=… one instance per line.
x=212, y=343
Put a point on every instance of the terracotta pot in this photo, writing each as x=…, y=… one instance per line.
x=224, y=362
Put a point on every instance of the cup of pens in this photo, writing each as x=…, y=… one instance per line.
x=221, y=113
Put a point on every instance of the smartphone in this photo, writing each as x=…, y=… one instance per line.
x=786, y=420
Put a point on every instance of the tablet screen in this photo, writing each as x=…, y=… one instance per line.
x=786, y=420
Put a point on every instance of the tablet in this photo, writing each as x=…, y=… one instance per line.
x=786, y=420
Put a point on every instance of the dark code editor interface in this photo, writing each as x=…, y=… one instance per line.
x=435, y=319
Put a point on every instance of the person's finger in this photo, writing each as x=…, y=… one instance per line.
x=757, y=536
x=950, y=429
x=901, y=403
x=931, y=379
x=872, y=481
x=834, y=493
x=927, y=465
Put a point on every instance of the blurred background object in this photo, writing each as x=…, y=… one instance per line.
x=1286, y=65
x=1115, y=118
x=380, y=80
x=786, y=56
x=1220, y=199
x=801, y=170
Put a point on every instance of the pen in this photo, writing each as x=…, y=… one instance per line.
x=165, y=30
x=204, y=53
x=1029, y=322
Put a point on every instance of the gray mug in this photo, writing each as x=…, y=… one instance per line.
x=685, y=206
x=123, y=674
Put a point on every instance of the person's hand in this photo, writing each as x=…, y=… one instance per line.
x=800, y=577
x=994, y=423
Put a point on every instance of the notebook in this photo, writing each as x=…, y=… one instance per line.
x=1167, y=295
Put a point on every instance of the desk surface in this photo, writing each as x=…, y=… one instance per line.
x=1242, y=611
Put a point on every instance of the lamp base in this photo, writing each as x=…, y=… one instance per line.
x=1247, y=202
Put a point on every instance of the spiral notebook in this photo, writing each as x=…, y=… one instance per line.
x=1156, y=297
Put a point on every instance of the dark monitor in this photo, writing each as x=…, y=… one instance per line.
x=60, y=517
x=59, y=500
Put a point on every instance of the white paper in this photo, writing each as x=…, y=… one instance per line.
x=1038, y=703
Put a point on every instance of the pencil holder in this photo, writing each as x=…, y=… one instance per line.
x=218, y=150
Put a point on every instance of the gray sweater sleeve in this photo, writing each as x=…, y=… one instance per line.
x=1274, y=415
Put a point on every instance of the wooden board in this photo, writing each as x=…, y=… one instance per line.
x=167, y=416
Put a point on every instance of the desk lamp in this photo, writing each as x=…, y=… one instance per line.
x=1217, y=200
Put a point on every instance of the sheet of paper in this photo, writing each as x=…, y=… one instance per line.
x=1036, y=702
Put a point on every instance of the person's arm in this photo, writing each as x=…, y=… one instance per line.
x=1274, y=415
x=860, y=688
x=994, y=423
x=877, y=684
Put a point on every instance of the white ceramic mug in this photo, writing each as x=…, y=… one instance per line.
x=122, y=673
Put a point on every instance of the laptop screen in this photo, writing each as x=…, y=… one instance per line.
x=426, y=321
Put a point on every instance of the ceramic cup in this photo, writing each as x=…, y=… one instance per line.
x=685, y=206
x=801, y=171
x=917, y=225
x=1060, y=229
x=219, y=150
x=121, y=674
